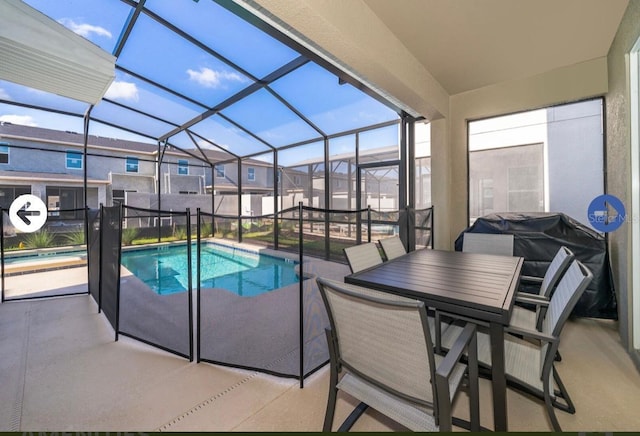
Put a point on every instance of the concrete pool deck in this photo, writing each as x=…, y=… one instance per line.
x=61, y=370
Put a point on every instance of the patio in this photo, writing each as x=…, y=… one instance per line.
x=245, y=136
x=62, y=371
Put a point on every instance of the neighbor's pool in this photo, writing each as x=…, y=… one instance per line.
x=164, y=269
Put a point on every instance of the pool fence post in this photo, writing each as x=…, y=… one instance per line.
x=431, y=236
x=300, y=281
x=119, y=221
x=100, y=239
x=190, y=283
x=2, y=255
x=369, y=223
x=86, y=244
x=198, y=289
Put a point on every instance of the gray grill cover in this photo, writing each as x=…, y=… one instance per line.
x=537, y=238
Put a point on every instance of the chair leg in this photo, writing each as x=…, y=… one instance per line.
x=331, y=408
x=551, y=412
x=558, y=357
x=564, y=394
x=549, y=406
x=353, y=417
x=333, y=381
x=438, y=333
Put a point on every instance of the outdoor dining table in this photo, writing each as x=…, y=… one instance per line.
x=480, y=287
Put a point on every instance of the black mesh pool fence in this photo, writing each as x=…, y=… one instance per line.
x=423, y=225
x=156, y=282
x=33, y=263
x=252, y=306
x=109, y=282
x=93, y=252
x=278, y=330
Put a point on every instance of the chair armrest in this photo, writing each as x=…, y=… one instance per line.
x=456, y=351
x=531, y=279
x=466, y=340
x=533, y=334
x=538, y=300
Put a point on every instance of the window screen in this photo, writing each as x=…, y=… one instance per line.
x=545, y=160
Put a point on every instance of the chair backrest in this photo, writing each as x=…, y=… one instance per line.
x=392, y=247
x=564, y=299
x=382, y=338
x=556, y=269
x=362, y=256
x=488, y=243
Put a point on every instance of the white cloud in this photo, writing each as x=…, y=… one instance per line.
x=4, y=94
x=25, y=120
x=213, y=79
x=122, y=90
x=84, y=29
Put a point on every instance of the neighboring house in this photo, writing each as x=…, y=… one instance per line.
x=49, y=164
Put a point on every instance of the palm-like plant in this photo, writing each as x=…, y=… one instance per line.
x=128, y=235
x=74, y=238
x=39, y=239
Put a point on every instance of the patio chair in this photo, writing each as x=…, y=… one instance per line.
x=381, y=353
x=530, y=362
x=363, y=256
x=532, y=319
x=488, y=243
x=392, y=247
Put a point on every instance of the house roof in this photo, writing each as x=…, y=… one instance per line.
x=30, y=176
x=9, y=130
x=20, y=132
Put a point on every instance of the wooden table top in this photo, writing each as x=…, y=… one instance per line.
x=480, y=286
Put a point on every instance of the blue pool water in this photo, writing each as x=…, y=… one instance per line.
x=164, y=269
x=17, y=258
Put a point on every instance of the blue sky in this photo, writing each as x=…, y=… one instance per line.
x=161, y=55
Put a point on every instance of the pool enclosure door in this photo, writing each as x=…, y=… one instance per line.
x=380, y=185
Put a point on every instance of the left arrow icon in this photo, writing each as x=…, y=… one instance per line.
x=28, y=213
x=24, y=213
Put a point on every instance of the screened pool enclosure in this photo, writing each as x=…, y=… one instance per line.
x=216, y=126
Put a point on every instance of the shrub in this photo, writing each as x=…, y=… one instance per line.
x=179, y=233
x=74, y=238
x=205, y=229
x=128, y=235
x=39, y=239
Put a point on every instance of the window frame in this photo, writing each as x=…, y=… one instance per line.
x=545, y=180
x=68, y=157
x=128, y=164
x=251, y=174
x=4, y=145
x=220, y=171
x=183, y=167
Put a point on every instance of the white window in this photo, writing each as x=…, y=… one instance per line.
x=4, y=153
x=220, y=171
x=74, y=160
x=542, y=160
x=251, y=174
x=131, y=165
x=183, y=167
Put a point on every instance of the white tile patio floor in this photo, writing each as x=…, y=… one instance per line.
x=60, y=370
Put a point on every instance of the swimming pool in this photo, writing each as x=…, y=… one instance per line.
x=31, y=261
x=41, y=255
x=164, y=269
